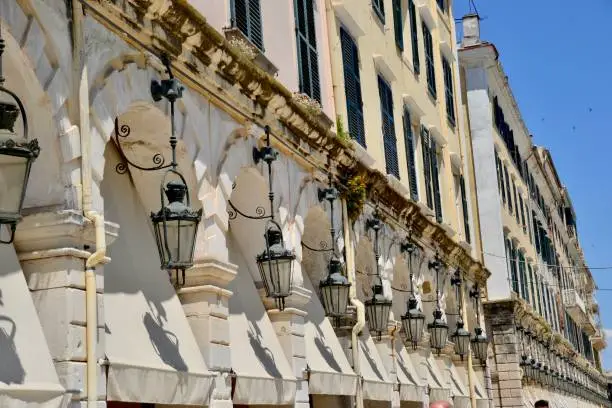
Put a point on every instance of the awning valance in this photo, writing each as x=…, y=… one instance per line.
x=27, y=375
x=376, y=383
x=411, y=388
x=263, y=374
x=330, y=370
x=152, y=353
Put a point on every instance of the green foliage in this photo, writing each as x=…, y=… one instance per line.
x=341, y=133
x=355, y=196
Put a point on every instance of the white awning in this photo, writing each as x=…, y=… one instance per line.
x=459, y=391
x=376, y=383
x=411, y=386
x=482, y=399
x=27, y=375
x=263, y=374
x=438, y=390
x=330, y=370
x=152, y=353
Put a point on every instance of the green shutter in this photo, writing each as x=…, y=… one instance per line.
x=379, y=9
x=449, y=94
x=352, y=87
x=308, y=59
x=246, y=15
x=388, y=127
x=516, y=204
x=533, y=297
x=464, y=204
x=410, y=156
x=507, y=179
x=398, y=25
x=435, y=177
x=426, y=165
x=429, y=60
x=513, y=268
x=414, y=37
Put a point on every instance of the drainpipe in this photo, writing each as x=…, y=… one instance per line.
x=469, y=356
x=360, y=324
x=336, y=75
x=80, y=73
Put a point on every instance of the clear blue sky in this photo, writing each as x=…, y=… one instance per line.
x=558, y=57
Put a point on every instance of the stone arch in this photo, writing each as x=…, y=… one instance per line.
x=46, y=186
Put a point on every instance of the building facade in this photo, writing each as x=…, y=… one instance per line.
x=541, y=310
x=362, y=96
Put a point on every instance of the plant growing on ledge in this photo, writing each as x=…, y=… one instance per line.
x=243, y=47
x=341, y=133
x=312, y=106
x=355, y=195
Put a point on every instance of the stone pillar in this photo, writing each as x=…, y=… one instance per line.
x=205, y=300
x=53, y=248
x=505, y=370
x=289, y=327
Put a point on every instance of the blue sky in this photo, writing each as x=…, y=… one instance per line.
x=558, y=57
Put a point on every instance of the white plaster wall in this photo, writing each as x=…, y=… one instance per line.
x=489, y=202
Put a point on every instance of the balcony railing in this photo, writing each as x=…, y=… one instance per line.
x=576, y=308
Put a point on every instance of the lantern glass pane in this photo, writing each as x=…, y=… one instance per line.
x=178, y=243
x=377, y=315
x=335, y=299
x=276, y=274
x=439, y=335
x=13, y=180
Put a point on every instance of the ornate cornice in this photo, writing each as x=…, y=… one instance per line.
x=204, y=61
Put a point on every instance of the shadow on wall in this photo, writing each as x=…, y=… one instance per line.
x=264, y=355
x=11, y=369
x=326, y=351
x=165, y=342
x=372, y=363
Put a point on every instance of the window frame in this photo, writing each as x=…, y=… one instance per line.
x=313, y=88
x=430, y=66
x=449, y=92
x=414, y=37
x=354, y=109
x=379, y=9
x=247, y=31
x=385, y=94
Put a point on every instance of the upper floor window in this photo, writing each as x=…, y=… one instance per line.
x=398, y=24
x=414, y=37
x=449, y=91
x=409, y=142
x=464, y=208
x=429, y=60
x=442, y=4
x=431, y=173
x=246, y=15
x=388, y=127
x=352, y=87
x=508, y=191
x=379, y=9
x=308, y=59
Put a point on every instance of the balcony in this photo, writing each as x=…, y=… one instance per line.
x=598, y=340
x=577, y=310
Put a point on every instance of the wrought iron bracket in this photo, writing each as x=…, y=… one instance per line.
x=260, y=213
x=123, y=131
x=12, y=228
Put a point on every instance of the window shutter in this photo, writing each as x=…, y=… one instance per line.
x=523, y=277
x=429, y=60
x=352, y=87
x=436, y=181
x=308, y=60
x=513, y=271
x=449, y=94
x=533, y=294
x=247, y=17
x=379, y=9
x=398, y=26
x=426, y=165
x=464, y=204
x=508, y=188
x=410, y=156
x=388, y=127
x=516, y=203
x=500, y=177
x=414, y=37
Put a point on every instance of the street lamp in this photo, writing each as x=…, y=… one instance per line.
x=377, y=308
x=17, y=154
x=461, y=337
x=335, y=287
x=480, y=343
x=438, y=329
x=175, y=224
x=414, y=319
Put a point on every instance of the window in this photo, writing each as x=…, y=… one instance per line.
x=430, y=166
x=508, y=189
x=513, y=272
x=388, y=127
x=410, y=155
x=533, y=297
x=429, y=60
x=442, y=4
x=522, y=211
x=308, y=60
x=448, y=91
x=379, y=9
x=352, y=87
x=246, y=15
x=464, y=206
x=398, y=25
x=414, y=37
x=500, y=177
x=523, y=276
x=516, y=213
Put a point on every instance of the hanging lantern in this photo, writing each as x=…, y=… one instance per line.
x=17, y=154
x=480, y=345
x=438, y=331
x=461, y=338
x=335, y=290
x=413, y=322
x=377, y=310
x=176, y=226
x=275, y=265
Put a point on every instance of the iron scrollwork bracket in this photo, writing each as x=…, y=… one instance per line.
x=122, y=131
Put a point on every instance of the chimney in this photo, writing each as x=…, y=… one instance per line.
x=471, y=30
